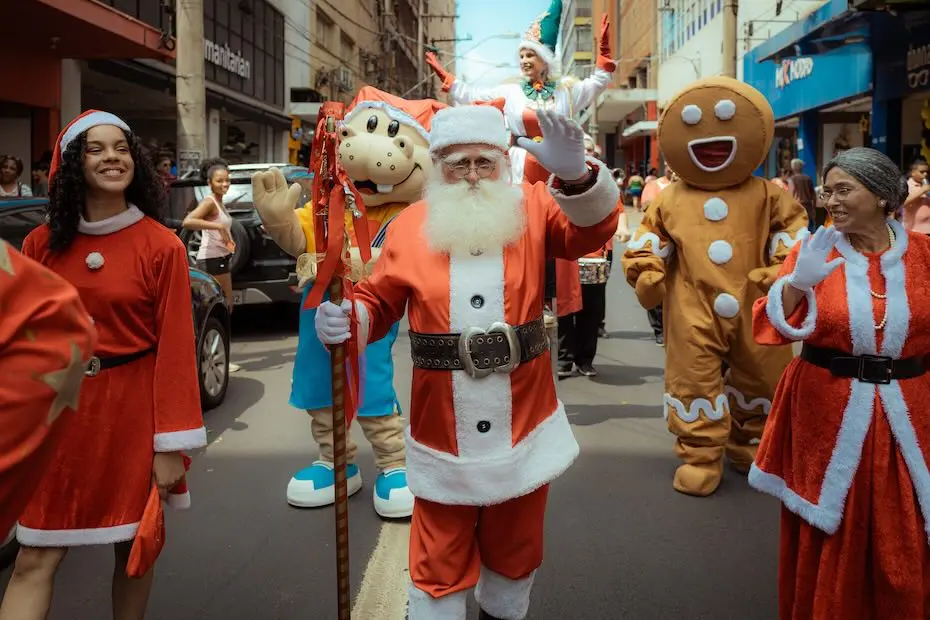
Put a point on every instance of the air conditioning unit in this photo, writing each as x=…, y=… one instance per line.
x=345, y=79
x=665, y=6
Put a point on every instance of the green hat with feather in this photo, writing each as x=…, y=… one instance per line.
x=543, y=34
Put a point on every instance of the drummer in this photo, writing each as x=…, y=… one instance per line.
x=579, y=331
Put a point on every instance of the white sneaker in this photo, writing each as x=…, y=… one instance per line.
x=234, y=367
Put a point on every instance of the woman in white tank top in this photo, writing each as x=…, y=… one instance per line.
x=214, y=222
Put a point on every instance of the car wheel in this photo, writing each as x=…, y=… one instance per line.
x=192, y=240
x=8, y=549
x=240, y=257
x=213, y=363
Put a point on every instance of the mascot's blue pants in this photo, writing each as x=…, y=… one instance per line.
x=311, y=387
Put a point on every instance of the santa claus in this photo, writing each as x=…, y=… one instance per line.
x=487, y=433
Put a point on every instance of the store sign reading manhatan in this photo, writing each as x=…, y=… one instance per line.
x=222, y=56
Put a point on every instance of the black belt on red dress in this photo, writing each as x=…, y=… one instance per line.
x=479, y=352
x=877, y=369
x=97, y=364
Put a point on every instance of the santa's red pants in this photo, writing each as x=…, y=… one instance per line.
x=497, y=548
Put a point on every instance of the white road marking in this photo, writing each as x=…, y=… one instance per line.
x=383, y=595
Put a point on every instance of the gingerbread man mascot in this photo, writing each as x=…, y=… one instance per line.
x=384, y=150
x=713, y=244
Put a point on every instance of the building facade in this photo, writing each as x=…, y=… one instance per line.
x=35, y=94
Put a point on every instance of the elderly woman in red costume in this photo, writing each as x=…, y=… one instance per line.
x=140, y=404
x=847, y=440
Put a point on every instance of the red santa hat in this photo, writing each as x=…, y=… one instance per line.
x=471, y=124
x=84, y=122
x=415, y=113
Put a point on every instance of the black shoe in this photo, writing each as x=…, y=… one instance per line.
x=483, y=615
x=566, y=369
x=602, y=333
x=660, y=340
x=587, y=370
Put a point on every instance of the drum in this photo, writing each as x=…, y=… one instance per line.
x=593, y=270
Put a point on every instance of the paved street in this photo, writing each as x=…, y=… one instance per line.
x=621, y=543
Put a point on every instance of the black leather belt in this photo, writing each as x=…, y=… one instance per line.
x=479, y=352
x=866, y=368
x=97, y=364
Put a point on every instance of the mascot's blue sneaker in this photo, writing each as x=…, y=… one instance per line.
x=393, y=500
x=315, y=486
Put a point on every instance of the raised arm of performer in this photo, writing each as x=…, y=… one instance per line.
x=46, y=339
x=787, y=226
x=646, y=255
x=461, y=92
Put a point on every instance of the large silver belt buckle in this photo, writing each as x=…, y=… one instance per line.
x=93, y=367
x=506, y=366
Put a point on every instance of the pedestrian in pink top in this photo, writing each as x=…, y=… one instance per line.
x=916, y=208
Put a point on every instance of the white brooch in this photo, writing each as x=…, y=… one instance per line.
x=94, y=260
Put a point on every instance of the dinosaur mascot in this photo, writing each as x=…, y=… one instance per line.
x=384, y=149
x=712, y=243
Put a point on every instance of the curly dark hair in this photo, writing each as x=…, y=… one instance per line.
x=209, y=166
x=69, y=189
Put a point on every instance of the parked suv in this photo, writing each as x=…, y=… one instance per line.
x=261, y=271
x=18, y=216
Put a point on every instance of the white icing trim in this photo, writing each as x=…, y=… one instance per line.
x=507, y=599
x=181, y=440
x=639, y=241
x=827, y=512
x=75, y=538
x=84, y=123
x=541, y=457
x=700, y=141
x=593, y=206
x=787, y=240
x=392, y=112
x=747, y=405
x=124, y=219
x=712, y=411
x=422, y=606
x=775, y=311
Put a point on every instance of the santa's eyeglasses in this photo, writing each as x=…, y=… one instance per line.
x=460, y=168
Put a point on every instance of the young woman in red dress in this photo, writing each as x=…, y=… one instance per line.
x=847, y=442
x=141, y=405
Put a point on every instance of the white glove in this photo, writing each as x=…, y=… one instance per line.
x=812, y=267
x=561, y=150
x=333, y=322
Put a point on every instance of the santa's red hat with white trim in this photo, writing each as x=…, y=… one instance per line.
x=84, y=122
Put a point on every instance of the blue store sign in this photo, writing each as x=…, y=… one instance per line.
x=794, y=85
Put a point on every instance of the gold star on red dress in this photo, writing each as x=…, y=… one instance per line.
x=67, y=385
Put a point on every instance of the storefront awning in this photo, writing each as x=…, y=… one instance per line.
x=642, y=128
x=617, y=103
x=830, y=27
x=82, y=29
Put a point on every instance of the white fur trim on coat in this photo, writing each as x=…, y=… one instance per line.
x=470, y=124
x=826, y=512
x=393, y=113
x=94, y=119
x=507, y=599
x=422, y=606
x=179, y=501
x=75, y=538
x=112, y=224
x=481, y=481
x=181, y=440
x=775, y=311
x=593, y=206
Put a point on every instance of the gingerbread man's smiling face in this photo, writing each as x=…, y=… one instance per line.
x=716, y=132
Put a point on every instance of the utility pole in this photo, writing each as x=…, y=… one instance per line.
x=730, y=12
x=191, y=87
x=421, y=15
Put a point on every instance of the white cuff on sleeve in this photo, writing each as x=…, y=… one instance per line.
x=775, y=311
x=181, y=440
x=593, y=206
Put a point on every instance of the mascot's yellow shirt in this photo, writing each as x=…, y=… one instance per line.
x=378, y=217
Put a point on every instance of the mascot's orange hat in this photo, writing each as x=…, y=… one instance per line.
x=84, y=122
x=416, y=113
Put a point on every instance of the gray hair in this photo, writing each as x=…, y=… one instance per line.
x=875, y=171
x=797, y=165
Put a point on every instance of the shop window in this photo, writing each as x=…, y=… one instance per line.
x=347, y=49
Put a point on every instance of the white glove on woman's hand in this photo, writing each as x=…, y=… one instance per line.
x=561, y=150
x=333, y=322
x=812, y=267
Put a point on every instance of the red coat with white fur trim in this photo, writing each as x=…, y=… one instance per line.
x=530, y=441
x=814, y=438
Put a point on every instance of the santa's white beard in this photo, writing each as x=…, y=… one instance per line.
x=463, y=219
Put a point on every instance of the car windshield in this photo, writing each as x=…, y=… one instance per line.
x=239, y=194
